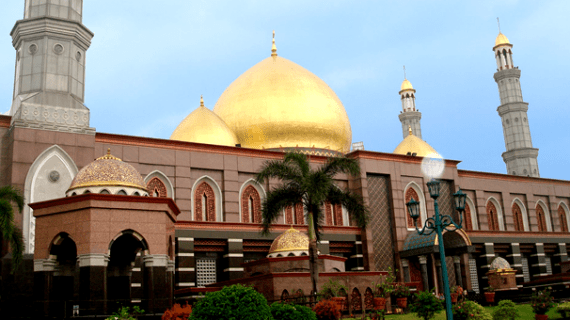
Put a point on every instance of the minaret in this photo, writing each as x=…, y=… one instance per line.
x=49, y=84
x=520, y=156
x=409, y=116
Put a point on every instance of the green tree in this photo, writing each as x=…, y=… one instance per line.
x=311, y=188
x=10, y=232
x=235, y=302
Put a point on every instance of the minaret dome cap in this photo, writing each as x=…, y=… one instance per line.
x=502, y=40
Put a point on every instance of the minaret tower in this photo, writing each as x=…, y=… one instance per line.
x=520, y=156
x=409, y=116
x=51, y=42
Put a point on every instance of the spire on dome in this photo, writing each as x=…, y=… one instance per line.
x=410, y=133
x=273, y=47
x=201, y=101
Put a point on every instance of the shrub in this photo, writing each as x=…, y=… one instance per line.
x=235, y=302
x=284, y=311
x=563, y=309
x=426, y=305
x=470, y=310
x=327, y=310
x=125, y=313
x=333, y=288
x=506, y=310
x=177, y=312
x=541, y=302
x=401, y=290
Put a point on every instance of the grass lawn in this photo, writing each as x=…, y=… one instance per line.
x=525, y=312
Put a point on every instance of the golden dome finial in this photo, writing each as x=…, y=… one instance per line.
x=201, y=101
x=108, y=151
x=273, y=47
x=410, y=130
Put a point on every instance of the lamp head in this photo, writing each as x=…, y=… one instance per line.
x=433, y=187
x=460, y=198
x=413, y=208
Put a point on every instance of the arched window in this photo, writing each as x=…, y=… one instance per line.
x=563, y=215
x=333, y=214
x=467, y=216
x=517, y=217
x=541, y=218
x=413, y=190
x=492, y=216
x=250, y=205
x=122, y=192
x=156, y=188
x=204, y=203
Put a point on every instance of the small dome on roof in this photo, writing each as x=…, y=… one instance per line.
x=290, y=242
x=500, y=263
x=412, y=144
x=108, y=172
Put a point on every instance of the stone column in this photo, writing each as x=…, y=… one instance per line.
x=185, y=275
x=537, y=262
x=423, y=264
x=458, y=274
x=233, y=260
x=157, y=289
x=406, y=269
x=358, y=257
x=516, y=262
x=43, y=282
x=487, y=257
x=93, y=283
x=439, y=276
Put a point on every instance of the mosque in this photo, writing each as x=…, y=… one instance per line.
x=123, y=218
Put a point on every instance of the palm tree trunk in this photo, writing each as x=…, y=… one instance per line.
x=313, y=254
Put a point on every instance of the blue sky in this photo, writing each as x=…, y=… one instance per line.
x=150, y=62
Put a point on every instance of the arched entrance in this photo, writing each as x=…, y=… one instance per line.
x=64, y=253
x=421, y=257
x=124, y=276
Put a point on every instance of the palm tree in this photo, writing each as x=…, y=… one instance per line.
x=311, y=188
x=10, y=232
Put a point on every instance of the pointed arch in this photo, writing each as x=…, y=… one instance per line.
x=151, y=181
x=251, y=195
x=564, y=216
x=543, y=216
x=414, y=190
x=494, y=215
x=471, y=212
x=206, y=190
x=132, y=233
x=49, y=176
x=523, y=215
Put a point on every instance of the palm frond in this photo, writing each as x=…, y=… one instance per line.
x=6, y=219
x=17, y=247
x=11, y=193
x=280, y=170
x=277, y=200
x=336, y=165
x=353, y=203
x=300, y=160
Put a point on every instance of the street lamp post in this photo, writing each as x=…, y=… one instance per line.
x=437, y=224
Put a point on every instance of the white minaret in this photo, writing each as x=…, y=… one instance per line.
x=520, y=156
x=49, y=84
x=409, y=116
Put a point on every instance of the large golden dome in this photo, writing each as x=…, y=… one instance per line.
x=289, y=241
x=279, y=104
x=108, y=171
x=204, y=126
x=412, y=144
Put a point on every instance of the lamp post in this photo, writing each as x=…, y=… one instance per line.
x=438, y=223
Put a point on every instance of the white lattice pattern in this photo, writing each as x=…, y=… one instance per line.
x=473, y=275
x=205, y=272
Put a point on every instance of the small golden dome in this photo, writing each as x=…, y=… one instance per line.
x=290, y=240
x=279, y=104
x=406, y=85
x=204, y=126
x=501, y=39
x=412, y=144
x=108, y=171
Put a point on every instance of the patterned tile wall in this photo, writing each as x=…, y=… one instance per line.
x=445, y=200
x=381, y=222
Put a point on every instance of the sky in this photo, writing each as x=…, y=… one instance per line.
x=150, y=61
